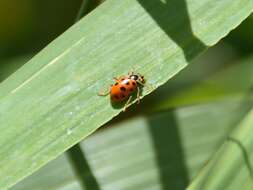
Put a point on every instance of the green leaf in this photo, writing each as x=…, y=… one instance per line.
x=51, y=103
x=162, y=151
x=231, y=167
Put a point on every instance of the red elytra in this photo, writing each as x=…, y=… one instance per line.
x=124, y=87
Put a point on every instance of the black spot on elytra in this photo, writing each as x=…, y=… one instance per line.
x=122, y=88
x=127, y=83
x=116, y=97
x=123, y=96
x=134, y=83
x=116, y=84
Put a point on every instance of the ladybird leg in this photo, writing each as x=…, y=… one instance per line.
x=104, y=93
x=142, y=84
x=127, y=103
x=118, y=78
x=138, y=95
x=131, y=71
x=151, y=87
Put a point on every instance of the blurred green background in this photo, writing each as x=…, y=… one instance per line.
x=27, y=26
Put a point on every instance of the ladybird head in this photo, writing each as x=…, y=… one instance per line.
x=137, y=77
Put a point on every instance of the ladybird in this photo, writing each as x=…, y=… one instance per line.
x=124, y=88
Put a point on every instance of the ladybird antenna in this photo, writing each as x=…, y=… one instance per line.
x=133, y=69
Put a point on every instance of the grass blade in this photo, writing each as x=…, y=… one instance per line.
x=231, y=167
x=54, y=94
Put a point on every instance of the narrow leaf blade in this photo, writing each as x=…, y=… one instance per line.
x=51, y=103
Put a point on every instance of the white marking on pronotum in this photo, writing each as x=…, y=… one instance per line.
x=46, y=66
